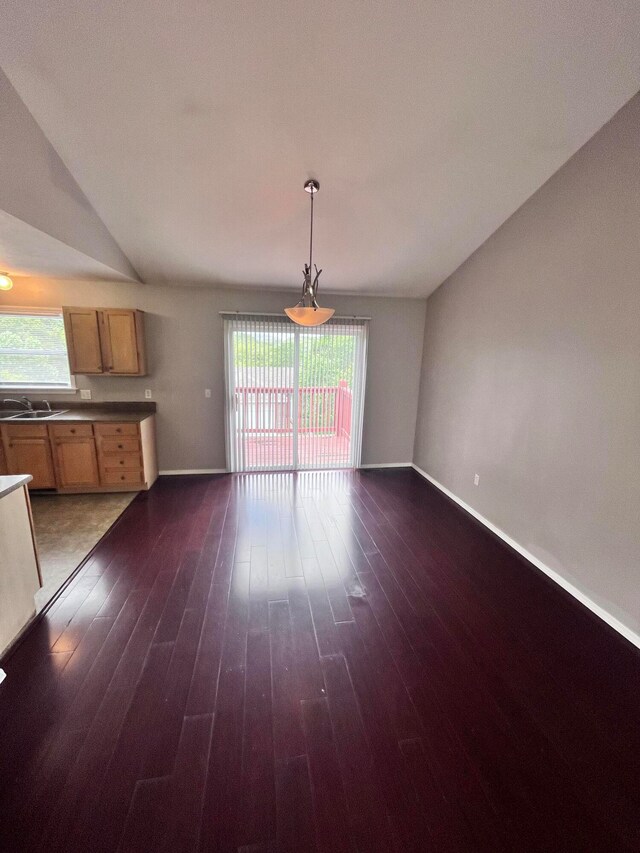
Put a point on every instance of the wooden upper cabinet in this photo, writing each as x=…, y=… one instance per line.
x=122, y=337
x=112, y=338
x=83, y=340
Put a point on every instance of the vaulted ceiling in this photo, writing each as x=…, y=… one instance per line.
x=191, y=126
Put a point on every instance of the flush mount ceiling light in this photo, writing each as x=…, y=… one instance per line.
x=307, y=312
x=5, y=282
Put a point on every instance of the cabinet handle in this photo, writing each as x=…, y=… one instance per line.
x=122, y=476
x=122, y=461
x=72, y=430
x=118, y=429
x=119, y=447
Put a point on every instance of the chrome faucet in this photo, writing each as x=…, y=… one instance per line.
x=24, y=401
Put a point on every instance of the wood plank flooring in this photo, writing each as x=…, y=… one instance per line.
x=326, y=661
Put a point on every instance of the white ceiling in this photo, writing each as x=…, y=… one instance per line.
x=28, y=251
x=191, y=125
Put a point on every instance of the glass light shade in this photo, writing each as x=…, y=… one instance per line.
x=5, y=282
x=309, y=316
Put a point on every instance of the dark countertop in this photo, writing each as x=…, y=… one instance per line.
x=108, y=413
x=90, y=415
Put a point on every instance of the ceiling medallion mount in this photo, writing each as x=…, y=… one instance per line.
x=307, y=312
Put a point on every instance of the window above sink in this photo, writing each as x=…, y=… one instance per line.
x=33, y=351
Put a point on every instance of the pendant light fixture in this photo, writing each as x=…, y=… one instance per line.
x=5, y=282
x=307, y=312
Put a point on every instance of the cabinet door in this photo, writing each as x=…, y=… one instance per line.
x=83, y=340
x=31, y=456
x=76, y=462
x=122, y=345
x=3, y=461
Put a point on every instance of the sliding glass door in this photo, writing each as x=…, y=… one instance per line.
x=295, y=395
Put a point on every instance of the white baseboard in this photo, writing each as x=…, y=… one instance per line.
x=614, y=623
x=193, y=471
x=180, y=472
x=388, y=465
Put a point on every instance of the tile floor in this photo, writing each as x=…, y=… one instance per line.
x=67, y=527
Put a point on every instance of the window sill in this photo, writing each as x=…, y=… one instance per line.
x=31, y=390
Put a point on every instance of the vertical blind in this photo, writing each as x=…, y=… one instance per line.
x=295, y=395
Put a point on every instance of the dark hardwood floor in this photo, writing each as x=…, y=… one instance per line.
x=339, y=661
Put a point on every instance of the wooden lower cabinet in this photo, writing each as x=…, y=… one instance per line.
x=28, y=451
x=117, y=478
x=76, y=462
x=83, y=457
x=74, y=455
x=127, y=445
x=3, y=460
x=126, y=453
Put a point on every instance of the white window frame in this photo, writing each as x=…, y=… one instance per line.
x=7, y=390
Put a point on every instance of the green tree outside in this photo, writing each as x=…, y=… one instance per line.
x=329, y=358
x=33, y=350
x=324, y=361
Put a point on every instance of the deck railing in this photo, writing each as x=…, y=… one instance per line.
x=324, y=410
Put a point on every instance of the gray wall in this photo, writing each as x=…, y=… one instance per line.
x=37, y=188
x=185, y=347
x=531, y=373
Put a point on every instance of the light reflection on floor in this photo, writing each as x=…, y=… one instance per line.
x=314, y=506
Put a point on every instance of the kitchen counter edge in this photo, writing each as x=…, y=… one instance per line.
x=10, y=482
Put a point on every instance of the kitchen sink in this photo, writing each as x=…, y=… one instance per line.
x=36, y=415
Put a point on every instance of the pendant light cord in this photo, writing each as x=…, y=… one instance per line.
x=311, y=234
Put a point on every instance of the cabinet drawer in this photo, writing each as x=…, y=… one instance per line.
x=116, y=429
x=25, y=430
x=121, y=461
x=71, y=430
x=127, y=478
x=117, y=445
